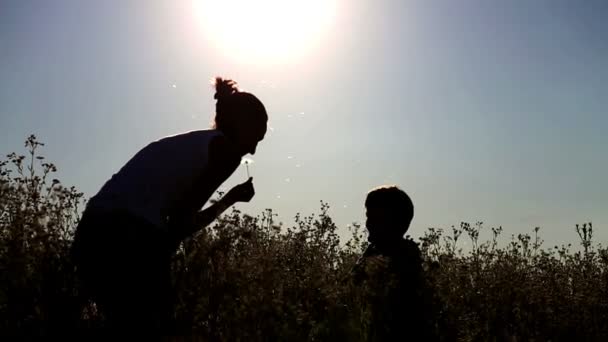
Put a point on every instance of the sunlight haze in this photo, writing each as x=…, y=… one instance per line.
x=265, y=31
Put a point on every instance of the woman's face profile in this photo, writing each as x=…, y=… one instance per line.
x=250, y=136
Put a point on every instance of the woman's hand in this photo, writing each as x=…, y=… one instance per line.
x=241, y=193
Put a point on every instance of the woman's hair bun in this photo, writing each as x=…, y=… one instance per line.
x=224, y=87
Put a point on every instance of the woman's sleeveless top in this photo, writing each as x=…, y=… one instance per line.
x=154, y=181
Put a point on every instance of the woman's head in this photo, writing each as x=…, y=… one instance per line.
x=239, y=115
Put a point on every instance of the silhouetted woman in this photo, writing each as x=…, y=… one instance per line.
x=133, y=225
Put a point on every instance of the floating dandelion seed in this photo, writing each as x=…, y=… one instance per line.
x=279, y=196
x=174, y=86
x=289, y=157
x=287, y=180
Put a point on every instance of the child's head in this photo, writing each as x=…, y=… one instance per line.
x=239, y=115
x=389, y=212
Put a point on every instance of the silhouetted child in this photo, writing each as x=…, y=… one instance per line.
x=391, y=270
x=133, y=225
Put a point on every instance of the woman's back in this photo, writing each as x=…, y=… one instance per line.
x=158, y=177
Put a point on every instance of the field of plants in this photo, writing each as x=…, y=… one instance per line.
x=248, y=278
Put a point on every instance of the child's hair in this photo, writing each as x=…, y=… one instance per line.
x=234, y=107
x=394, y=199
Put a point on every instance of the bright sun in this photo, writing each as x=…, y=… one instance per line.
x=265, y=31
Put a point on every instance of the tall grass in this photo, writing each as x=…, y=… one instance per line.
x=248, y=278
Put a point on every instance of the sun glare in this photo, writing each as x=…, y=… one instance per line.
x=265, y=31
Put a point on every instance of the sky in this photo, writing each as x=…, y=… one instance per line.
x=492, y=111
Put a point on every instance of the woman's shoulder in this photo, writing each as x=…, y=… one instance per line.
x=193, y=134
x=194, y=139
x=201, y=134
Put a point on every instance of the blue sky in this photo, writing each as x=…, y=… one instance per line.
x=481, y=110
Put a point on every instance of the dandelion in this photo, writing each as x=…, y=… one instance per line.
x=246, y=162
x=270, y=131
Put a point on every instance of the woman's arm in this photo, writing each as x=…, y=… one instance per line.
x=187, y=219
x=241, y=193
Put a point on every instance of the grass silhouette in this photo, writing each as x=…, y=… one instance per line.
x=247, y=277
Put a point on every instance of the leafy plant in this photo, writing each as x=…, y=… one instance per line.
x=251, y=278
